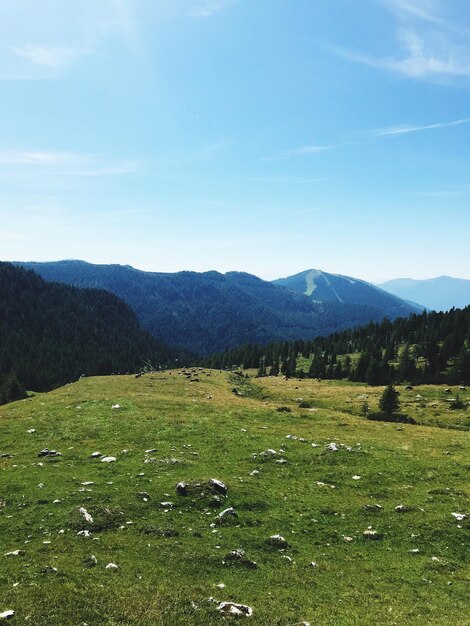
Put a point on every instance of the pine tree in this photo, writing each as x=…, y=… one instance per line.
x=389, y=402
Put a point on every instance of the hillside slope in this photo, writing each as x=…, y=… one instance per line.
x=209, y=312
x=324, y=287
x=50, y=334
x=438, y=294
x=173, y=552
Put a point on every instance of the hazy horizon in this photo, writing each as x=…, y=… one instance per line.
x=265, y=137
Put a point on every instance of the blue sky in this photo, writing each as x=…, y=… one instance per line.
x=268, y=136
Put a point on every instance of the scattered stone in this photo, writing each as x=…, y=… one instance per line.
x=95, y=455
x=7, y=614
x=90, y=561
x=116, y=406
x=373, y=507
x=277, y=541
x=112, y=567
x=254, y=473
x=182, y=488
x=348, y=539
x=218, y=486
x=49, y=570
x=87, y=483
x=231, y=608
x=268, y=454
x=402, y=508
x=356, y=477
x=459, y=516
x=227, y=513
x=31, y=430
x=332, y=447
x=313, y=564
x=238, y=557
x=143, y=495
x=281, y=461
x=215, y=502
x=108, y=459
x=86, y=516
x=167, y=505
x=414, y=551
x=84, y=533
x=47, y=452
x=16, y=553
x=371, y=534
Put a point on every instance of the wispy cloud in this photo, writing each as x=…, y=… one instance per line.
x=209, y=7
x=430, y=45
x=53, y=39
x=299, y=151
x=66, y=163
x=48, y=56
x=404, y=130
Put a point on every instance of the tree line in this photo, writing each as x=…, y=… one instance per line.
x=431, y=347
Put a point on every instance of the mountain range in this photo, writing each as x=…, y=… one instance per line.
x=209, y=312
x=438, y=294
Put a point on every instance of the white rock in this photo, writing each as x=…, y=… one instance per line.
x=84, y=533
x=86, y=516
x=356, y=477
x=7, y=614
x=254, y=473
x=31, y=430
x=116, y=406
x=112, y=567
x=87, y=483
x=231, y=608
x=230, y=512
x=332, y=447
x=94, y=455
x=108, y=459
x=15, y=553
x=459, y=516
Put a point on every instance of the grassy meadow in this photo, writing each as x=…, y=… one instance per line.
x=171, y=559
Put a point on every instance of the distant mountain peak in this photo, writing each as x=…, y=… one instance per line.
x=439, y=294
x=323, y=286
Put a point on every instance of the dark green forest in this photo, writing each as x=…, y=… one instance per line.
x=51, y=334
x=427, y=348
x=210, y=312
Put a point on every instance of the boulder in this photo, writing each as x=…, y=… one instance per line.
x=234, y=609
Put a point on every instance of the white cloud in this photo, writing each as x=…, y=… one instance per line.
x=405, y=129
x=65, y=163
x=300, y=151
x=430, y=43
x=208, y=8
x=48, y=56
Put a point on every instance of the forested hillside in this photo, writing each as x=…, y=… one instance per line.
x=51, y=333
x=427, y=348
x=209, y=312
x=324, y=287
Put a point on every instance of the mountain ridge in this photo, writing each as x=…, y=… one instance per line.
x=440, y=293
x=210, y=312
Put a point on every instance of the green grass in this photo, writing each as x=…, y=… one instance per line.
x=170, y=561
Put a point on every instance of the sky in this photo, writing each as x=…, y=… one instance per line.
x=266, y=136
